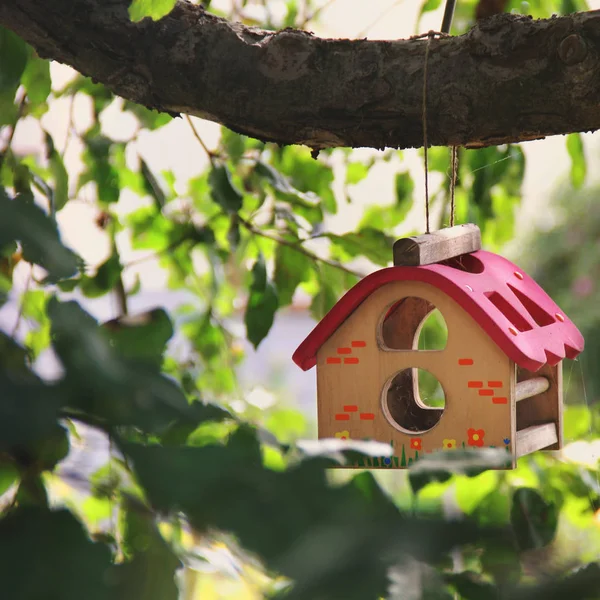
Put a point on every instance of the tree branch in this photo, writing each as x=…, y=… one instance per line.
x=507, y=80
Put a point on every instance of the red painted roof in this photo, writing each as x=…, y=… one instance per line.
x=509, y=306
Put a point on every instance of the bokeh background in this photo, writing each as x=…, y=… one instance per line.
x=543, y=213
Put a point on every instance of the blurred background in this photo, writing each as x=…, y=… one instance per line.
x=537, y=205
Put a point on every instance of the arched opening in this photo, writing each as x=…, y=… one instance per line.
x=414, y=324
x=413, y=400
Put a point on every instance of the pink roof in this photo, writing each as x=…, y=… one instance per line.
x=509, y=306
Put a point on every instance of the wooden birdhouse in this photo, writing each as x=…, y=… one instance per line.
x=499, y=371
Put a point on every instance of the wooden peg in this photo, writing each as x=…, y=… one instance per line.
x=536, y=437
x=437, y=246
x=531, y=387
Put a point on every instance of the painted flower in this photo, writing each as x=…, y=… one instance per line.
x=415, y=444
x=506, y=441
x=387, y=461
x=343, y=435
x=475, y=437
x=449, y=444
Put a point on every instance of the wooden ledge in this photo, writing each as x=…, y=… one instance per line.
x=536, y=438
x=531, y=387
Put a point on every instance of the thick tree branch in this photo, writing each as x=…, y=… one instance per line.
x=509, y=79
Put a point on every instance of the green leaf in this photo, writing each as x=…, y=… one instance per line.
x=48, y=451
x=333, y=541
x=262, y=304
x=33, y=303
x=8, y=476
x=47, y=554
x=143, y=336
x=99, y=167
x=534, y=520
x=430, y=5
x=36, y=79
x=13, y=58
x=27, y=223
x=577, y=421
x=581, y=584
x=28, y=413
x=104, y=280
x=312, y=177
x=291, y=269
x=493, y=509
x=150, y=119
x=32, y=492
x=305, y=204
x=470, y=492
x=405, y=187
x=496, y=190
x=501, y=559
x=578, y=163
x=13, y=358
x=332, y=283
x=369, y=242
x=235, y=144
x=223, y=192
x=356, y=172
x=286, y=424
x=102, y=384
x=441, y=465
x=207, y=415
x=568, y=7
x=281, y=183
x=471, y=586
x=59, y=174
x=155, y=9
x=149, y=572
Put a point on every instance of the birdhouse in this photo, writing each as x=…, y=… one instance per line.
x=499, y=370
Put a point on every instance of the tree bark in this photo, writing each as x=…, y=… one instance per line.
x=509, y=79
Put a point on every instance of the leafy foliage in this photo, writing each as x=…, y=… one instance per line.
x=155, y=9
x=184, y=486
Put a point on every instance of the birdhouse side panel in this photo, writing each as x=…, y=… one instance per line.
x=348, y=387
x=354, y=367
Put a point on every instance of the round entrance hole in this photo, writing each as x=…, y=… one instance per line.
x=413, y=401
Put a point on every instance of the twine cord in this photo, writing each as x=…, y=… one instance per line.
x=453, y=184
x=424, y=118
x=448, y=14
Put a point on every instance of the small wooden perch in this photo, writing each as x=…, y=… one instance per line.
x=437, y=246
x=536, y=438
x=531, y=387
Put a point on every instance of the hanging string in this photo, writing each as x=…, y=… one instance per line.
x=446, y=24
x=445, y=31
x=424, y=118
x=453, y=183
x=430, y=36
